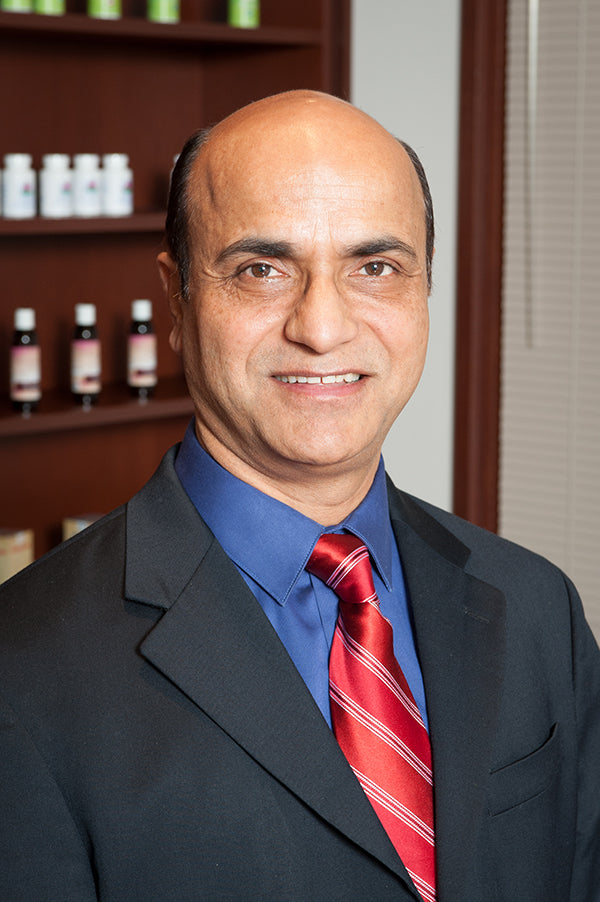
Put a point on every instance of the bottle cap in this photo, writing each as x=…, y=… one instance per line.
x=86, y=160
x=17, y=160
x=24, y=319
x=56, y=160
x=115, y=161
x=85, y=314
x=141, y=310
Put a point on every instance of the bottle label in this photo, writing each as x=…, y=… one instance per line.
x=25, y=373
x=118, y=193
x=141, y=365
x=56, y=194
x=85, y=366
x=19, y=195
x=87, y=197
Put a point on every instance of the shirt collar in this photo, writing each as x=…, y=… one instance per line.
x=250, y=525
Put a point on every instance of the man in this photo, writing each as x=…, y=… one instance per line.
x=167, y=728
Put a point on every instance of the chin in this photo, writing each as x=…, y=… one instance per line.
x=340, y=456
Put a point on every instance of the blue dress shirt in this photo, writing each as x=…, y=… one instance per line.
x=270, y=544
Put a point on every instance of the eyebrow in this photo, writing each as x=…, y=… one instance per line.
x=381, y=246
x=262, y=247
x=258, y=247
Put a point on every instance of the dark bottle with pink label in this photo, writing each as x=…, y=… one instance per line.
x=25, y=363
x=141, y=351
x=86, y=359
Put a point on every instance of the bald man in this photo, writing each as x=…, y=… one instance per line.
x=167, y=730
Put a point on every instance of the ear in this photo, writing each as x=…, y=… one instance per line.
x=169, y=276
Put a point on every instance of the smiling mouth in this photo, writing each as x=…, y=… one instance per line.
x=321, y=380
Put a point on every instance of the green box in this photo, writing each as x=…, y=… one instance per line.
x=16, y=6
x=244, y=13
x=163, y=10
x=104, y=9
x=49, y=7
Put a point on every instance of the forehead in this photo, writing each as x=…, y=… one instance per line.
x=306, y=178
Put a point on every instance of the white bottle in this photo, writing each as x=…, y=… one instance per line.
x=19, y=187
x=87, y=185
x=56, y=186
x=117, y=185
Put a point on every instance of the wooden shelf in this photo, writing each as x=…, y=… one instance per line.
x=142, y=30
x=57, y=414
x=79, y=84
x=105, y=225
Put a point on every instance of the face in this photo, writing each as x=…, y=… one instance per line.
x=306, y=327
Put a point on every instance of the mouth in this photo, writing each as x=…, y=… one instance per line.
x=331, y=379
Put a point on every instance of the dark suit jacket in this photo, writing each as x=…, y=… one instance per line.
x=157, y=743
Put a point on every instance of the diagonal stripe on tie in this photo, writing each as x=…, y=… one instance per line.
x=376, y=667
x=380, y=731
x=374, y=715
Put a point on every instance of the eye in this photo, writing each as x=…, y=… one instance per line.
x=260, y=270
x=376, y=268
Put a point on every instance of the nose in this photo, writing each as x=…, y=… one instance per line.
x=321, y=318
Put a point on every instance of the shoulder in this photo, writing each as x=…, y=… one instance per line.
x=514, y=569
x=64, y=584
x=543, y=614
x=68, y=582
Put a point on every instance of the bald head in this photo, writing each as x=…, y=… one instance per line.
x=306, y=129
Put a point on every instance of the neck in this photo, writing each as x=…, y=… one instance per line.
x=326, y=494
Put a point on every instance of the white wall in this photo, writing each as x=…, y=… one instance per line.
x=405, y=73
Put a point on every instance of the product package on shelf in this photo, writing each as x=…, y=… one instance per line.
x=141, y=351
x=86, y=359
x=16, y=551
x=117, y=185
x=104, y=9
x=166, y=11
x=19, y=187
x=243, y=13
x=16, y=6
x=25, y=362
x=56, y=186
x=72, y=525
x=86, y=189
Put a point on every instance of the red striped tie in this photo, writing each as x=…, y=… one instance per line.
x=374, y=715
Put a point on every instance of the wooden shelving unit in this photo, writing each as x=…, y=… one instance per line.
x=74, y=84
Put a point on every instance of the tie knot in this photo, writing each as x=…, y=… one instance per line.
x=342, y=562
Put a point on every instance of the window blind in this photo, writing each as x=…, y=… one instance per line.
x=549, y=492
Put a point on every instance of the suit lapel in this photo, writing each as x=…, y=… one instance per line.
x=211, y=620
x=459, y=630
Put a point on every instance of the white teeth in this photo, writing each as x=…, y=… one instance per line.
x=316, y=380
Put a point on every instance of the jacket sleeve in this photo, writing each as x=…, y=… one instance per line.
x=42, y=853
x=585, y=885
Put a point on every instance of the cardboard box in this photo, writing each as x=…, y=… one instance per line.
x=16, y=551
x=72, y=525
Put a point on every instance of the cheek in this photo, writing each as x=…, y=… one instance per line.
x=405, y=339
x=227, y=347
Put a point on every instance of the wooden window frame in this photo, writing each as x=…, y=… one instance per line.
x=479, y=261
